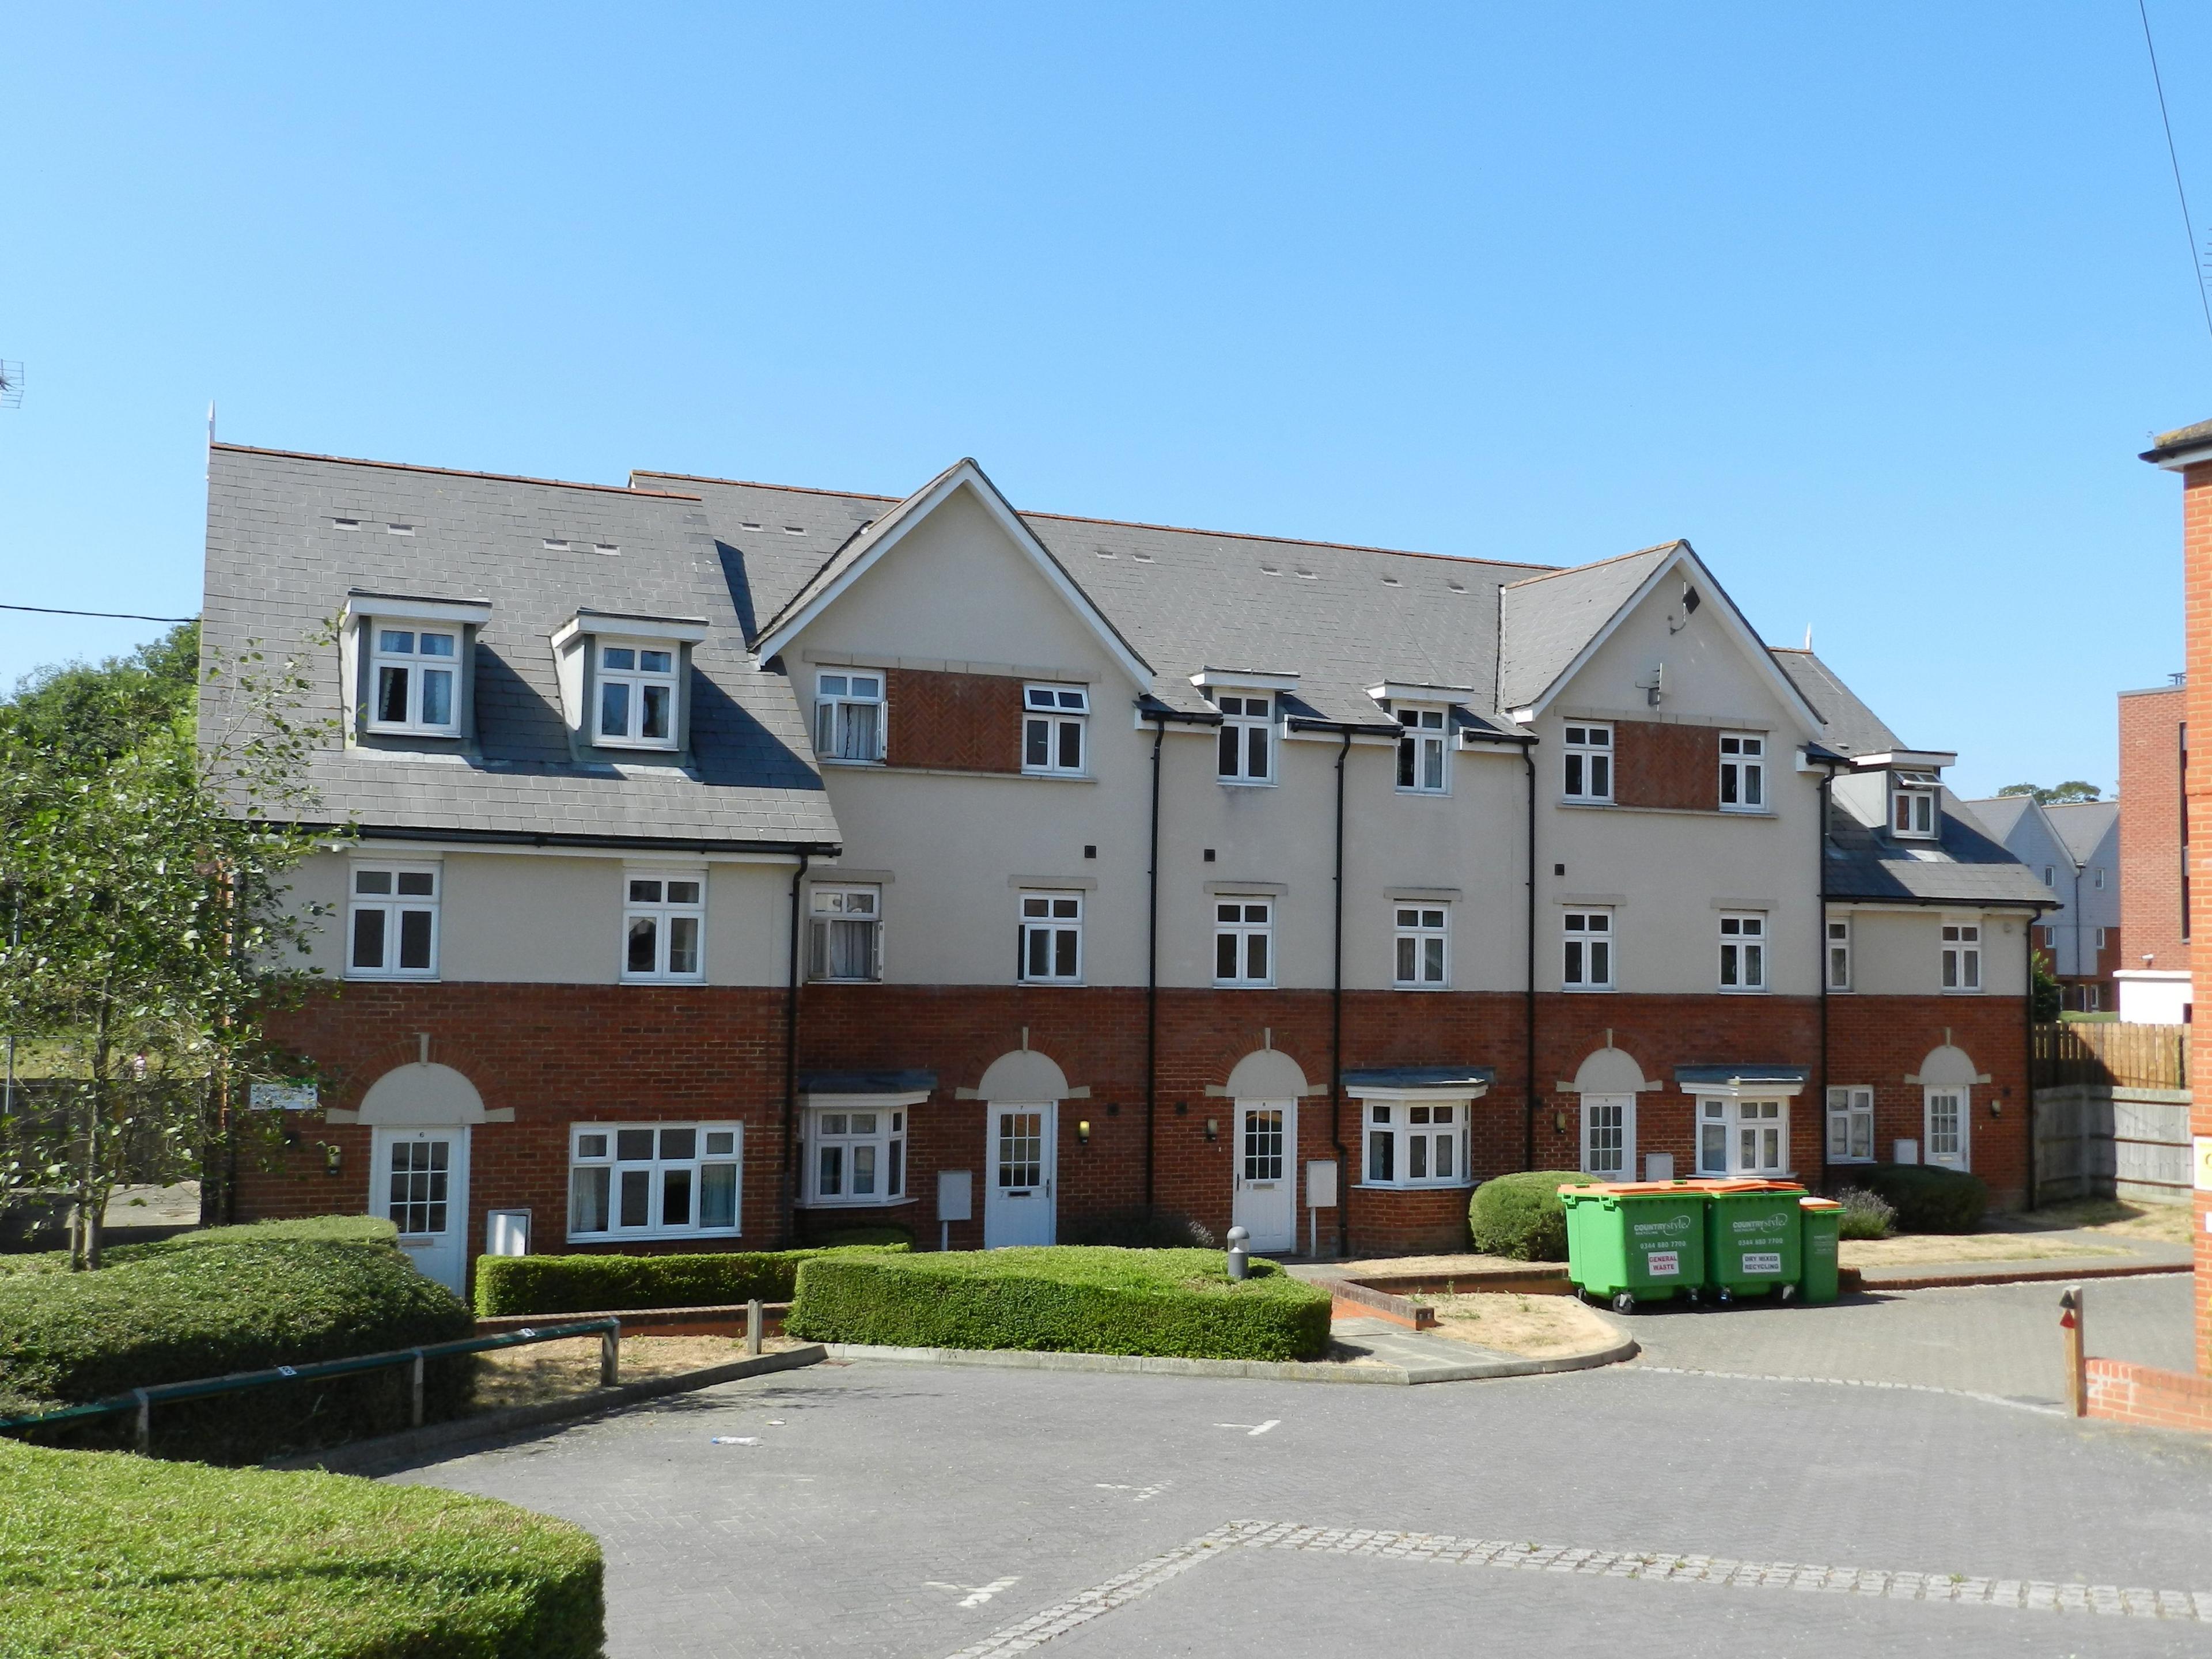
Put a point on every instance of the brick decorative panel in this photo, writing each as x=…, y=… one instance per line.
x=1663, y=765
x=954, y=722
x=2151, y=828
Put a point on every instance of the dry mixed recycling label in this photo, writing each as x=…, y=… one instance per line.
x=1762, y=1261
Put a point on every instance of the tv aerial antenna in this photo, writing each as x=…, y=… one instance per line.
x=11, y=384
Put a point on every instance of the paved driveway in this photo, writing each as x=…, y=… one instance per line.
x=908, y=1510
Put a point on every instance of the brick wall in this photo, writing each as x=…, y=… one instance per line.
x=1666, y=765
x=956, y=722
x=2150, y=827
x=2196, y=574
x=2148, y=1397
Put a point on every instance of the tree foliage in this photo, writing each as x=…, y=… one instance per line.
x=142, y=865
x=2058, y=794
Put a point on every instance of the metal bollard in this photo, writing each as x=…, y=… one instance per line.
x=752, y=1327
x=611, y=1357
x=1238, y=1257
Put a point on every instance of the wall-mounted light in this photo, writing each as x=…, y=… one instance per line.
x=1213, y=1128
x=1083, y=1130
x=1560, y=1122
x=333, y=1155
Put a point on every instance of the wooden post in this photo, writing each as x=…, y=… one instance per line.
x=611, y=1357
x=2077, y=1353
x=415, y=1390
x=753, y=1326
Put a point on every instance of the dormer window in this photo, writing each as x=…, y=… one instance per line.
x=1247, y=724
x=1421, y=751
x=1912, y=809
x=637, y=696
x=411, y=672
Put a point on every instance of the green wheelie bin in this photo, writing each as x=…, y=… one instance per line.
x=1820, y=1218
x=1753, y=1238
x=1635, y=1241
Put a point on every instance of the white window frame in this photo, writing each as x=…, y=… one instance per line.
x=1743, y=772
x=831, y=902
x=709, y=1149
x=2050, y=876
x=1053, y=920
x=1244, y=748
x=1587, y=930
x=2100, y=939
x=394, y=904
x=1916, y=810
x=1754, y=1115
x=1838, y=962
x=1961, y=973
x=1424, y=750
x=1244, y=929
x=637, y=680
x=832, y=1128
x=1399, y=1132
x=1591, y=1104
x=1420, y=946
x=835, y=697
x=1851, y=1123
x=2097, y=877
x=417, y=666
x=665, y=911
x=1743, y=951
x=1053, y=717
x=1586, y=766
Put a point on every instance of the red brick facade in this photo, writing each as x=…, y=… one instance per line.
x=2197, y=575
x=1656, y=764
x=2151, y=816
x=558, y=1054
x=953, y=722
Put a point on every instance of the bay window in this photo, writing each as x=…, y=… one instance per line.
x=654, y=1180
x=854, y=1157
x=1743, y=1137
x=1416, y=1143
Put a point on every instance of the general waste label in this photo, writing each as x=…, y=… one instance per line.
x=1663, y=1264
x=1762, y=1261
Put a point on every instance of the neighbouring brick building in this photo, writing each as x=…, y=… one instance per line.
x=2154, y=969
x=738, y=863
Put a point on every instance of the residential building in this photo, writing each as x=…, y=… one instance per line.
x=2153, y=975
x=2073, y=849
x=739, y=862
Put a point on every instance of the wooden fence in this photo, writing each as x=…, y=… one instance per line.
x=2111, y=1056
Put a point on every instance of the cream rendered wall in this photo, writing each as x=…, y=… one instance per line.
x=1668, y=868
x=1899, y=952
x=320, y=878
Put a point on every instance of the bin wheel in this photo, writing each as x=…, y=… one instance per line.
x=1724, y=1296
x=1789, y=1293
x=1624, y=1303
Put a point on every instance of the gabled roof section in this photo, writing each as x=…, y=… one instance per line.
x=2082, y=825
x=2001, y=814
x=872, y=542
x=1966, y=865
x=1550, y=626
x=1849, y=726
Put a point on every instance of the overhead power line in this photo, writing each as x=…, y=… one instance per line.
x=119, y=616
x=2173, y=156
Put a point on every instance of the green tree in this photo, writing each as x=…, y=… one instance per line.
x=150, y=932
x=2049, y=997
x=2061, y=794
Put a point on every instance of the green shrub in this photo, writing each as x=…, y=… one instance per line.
x=69, y=1338
x=1520, y=1215
x=21, y=1263
x=128, y=1559
x=1866, y=1215
x=1072, y=1298
x=868, y=1238
x=508, y=1285
x=1929, y=1200
x=1140, y=1229
x=328, y=1229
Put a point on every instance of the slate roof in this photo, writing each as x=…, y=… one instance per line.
x=1999, y=814
x=2082, y=825
x=1966, y=865
x=1849, y=727
x=1545, y=620
x=278, y=566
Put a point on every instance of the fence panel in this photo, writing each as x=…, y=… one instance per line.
x=2112, y=1055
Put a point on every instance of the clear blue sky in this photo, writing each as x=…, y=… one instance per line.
x=1872, y=303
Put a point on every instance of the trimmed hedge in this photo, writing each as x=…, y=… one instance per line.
x=69, y=1338
x=508, y=1284
x=325, y=1229
x=1520, y=1215
x=1070, y=1298
x=1928, y=1198
x=128, y=1559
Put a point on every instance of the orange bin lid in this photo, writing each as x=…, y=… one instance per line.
x=1818, y=1204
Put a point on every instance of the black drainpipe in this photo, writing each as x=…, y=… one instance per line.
x=1336, y=1025
x=1152, y=969
x=2027, y=1037
x=1820, y=939
x=1528, y=1116
x=790, y=1184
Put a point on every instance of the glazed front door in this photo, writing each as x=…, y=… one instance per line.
x=420, y=1180
x=1266, y=1203
x=1018, y=1207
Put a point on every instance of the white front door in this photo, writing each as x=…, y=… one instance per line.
x=1945, y=1143
x=1266, y=1204
x=1609, y=1137
x=420, y=1180
x=1018, y=1199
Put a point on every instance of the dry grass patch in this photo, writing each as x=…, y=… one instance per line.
x=1440, y=1267
x=1912, y=1250
x=2164, y=1224
x=532, y=1375
x=1536, y=1327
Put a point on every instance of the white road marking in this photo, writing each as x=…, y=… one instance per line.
x=1142, y=1492
x=1955, y=1588
x=976, y=1594
x=1251, y=1428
